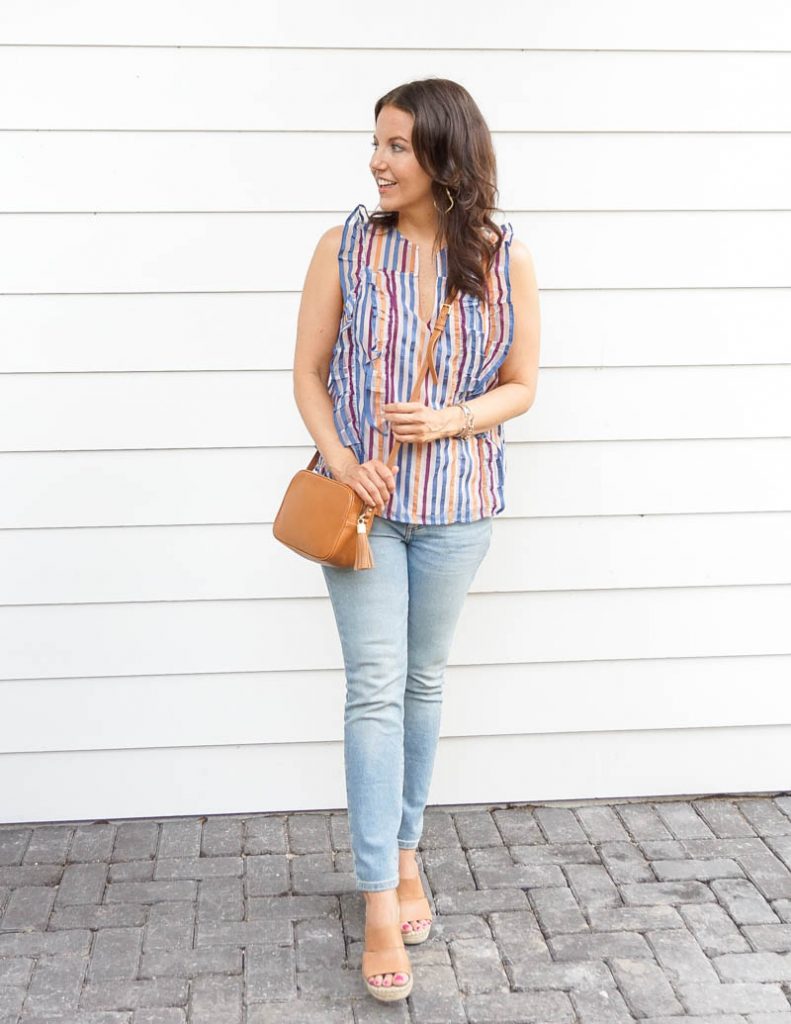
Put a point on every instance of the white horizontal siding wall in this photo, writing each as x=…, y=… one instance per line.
x=165, y=173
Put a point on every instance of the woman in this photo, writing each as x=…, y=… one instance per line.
x=374, y=288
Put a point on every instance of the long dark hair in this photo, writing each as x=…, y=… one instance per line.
x=452, y=143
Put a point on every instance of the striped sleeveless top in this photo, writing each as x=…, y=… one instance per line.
x=381, y=343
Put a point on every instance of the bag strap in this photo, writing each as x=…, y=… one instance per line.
x=427, y=366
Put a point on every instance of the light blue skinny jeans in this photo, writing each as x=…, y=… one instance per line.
x=396, y=622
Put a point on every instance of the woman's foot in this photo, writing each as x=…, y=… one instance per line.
x=407, y=868
x=381, y=908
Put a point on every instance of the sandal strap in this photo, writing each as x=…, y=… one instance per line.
x=386, y=961
x=415, y=910
x=384, y=951
x=384, y=936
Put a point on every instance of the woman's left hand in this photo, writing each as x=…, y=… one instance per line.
x=416, y=422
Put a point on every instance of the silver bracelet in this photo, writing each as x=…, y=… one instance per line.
x=468, y=429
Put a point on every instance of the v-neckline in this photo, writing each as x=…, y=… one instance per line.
x=427, y=326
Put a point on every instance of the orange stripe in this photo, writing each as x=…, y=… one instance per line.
x=453, y=482
x=476, y=473
x=486, y=507
x=455, y=331
x=418, y=472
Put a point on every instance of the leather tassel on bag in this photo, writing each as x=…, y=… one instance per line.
x=364, y=557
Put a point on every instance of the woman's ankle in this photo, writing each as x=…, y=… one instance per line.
x=407, y=859
x=380, y=897
x=381, y=907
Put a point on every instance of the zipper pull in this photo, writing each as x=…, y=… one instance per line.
x=361, y=520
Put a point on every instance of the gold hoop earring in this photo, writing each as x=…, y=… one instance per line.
x=447, y=193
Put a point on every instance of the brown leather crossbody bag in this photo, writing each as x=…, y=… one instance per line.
x=327, y=521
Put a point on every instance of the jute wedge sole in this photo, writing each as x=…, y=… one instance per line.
x=384, y=953
x=413, y=907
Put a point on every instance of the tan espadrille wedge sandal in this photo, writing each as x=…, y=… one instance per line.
x=384, y=953
x=413, y=907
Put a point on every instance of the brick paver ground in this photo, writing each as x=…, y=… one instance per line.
x=591, y=912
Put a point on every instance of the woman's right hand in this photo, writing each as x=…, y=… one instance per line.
x=373, y=481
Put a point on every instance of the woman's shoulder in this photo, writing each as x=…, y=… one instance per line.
x=332, y=237
x=514, y=249
x=518, y=252
x=521, y=258
x=342, y=236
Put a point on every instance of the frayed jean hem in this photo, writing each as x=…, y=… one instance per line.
x=377, y=886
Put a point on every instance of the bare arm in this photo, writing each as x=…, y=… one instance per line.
x=318, y=322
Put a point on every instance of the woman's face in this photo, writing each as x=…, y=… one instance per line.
x=394, y=160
